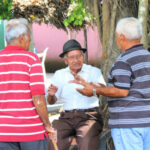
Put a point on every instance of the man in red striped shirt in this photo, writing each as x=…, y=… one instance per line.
x=24, y=122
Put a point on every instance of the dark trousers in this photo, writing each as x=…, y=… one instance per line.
x=84, y=126
x=33, y=145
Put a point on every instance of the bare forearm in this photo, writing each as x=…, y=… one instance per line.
x=112, y=92
x=40, y=104
x=51, y=99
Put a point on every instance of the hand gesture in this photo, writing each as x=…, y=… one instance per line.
x=87, y=90
x=77, y=78
x=52, y=90
x=88, y=87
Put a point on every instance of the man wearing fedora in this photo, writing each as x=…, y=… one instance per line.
x=81, y=117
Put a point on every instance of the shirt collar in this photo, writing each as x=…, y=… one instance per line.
x=9, y=48
x=135, y=46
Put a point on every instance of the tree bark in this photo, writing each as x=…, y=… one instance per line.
x=97, y=17
x=109, y=45
x=143, y=17
x=106, y=27
x=32, y=45
x=85, y=45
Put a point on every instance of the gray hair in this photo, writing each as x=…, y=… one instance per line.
x=15, y=28
x=130, y=27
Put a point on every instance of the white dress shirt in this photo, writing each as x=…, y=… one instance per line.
x=67, y=91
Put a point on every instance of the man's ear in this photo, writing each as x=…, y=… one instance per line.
x=122, y=37
x=65, y=60
x=84, y=56
x=21, y=38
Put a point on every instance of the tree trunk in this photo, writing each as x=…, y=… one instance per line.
x=32, y=45
x=109, y=45
x=69, y=34
x=143, y=17
x=106, y=26
x=85, y=45
x=96, y=14
x=112, y=11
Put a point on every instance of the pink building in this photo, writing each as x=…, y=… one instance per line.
x=49, y=36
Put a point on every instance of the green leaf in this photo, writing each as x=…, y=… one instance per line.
x=80, y=22
x=72, y=18
x=76, y=22
x=5, y=9
x=66, y=23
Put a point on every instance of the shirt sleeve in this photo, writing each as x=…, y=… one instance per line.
x=37, y=86
x=101, y=78
x=121, y=75
x=97, y=76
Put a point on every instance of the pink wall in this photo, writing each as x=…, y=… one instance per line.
x=49, y=36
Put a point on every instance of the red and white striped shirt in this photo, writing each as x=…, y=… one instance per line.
x=21, y=77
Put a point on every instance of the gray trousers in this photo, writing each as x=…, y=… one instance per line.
x=33, y=145
x=84, y=126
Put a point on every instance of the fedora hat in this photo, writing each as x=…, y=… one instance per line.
x=71, y=45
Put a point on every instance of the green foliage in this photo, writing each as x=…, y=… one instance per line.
x=77, y=14
x=5, y=9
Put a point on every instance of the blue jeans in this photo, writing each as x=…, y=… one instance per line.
x=131, y=138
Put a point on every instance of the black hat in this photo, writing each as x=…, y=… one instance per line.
x=71, y=45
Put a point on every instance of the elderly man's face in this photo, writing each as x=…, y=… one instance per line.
x=74, y=59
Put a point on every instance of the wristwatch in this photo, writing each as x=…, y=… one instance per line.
x=94, y=92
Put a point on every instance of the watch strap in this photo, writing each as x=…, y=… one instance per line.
x=94, y=92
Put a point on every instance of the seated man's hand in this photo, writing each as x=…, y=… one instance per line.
x=88, y=87
x=52, y=90
x=77, y=78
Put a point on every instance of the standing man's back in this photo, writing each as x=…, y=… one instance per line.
x=128, y=89
x=19, y=73
x=23, y=113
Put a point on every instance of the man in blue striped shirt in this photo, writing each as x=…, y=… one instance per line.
x=128, y=89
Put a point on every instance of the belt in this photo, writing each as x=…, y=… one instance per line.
x=83, y=110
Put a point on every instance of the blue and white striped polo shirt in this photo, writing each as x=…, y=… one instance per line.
x=131, y=71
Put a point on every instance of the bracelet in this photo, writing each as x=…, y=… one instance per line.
x=94, y=92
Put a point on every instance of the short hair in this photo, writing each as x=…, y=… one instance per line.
x=15, y=28
x=130, y=27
